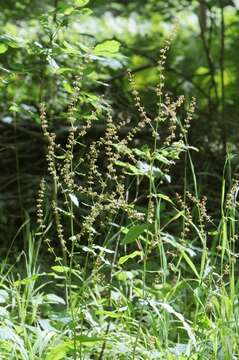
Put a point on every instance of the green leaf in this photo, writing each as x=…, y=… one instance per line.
x=69, y=10
x=164, y=197
x=26, y=281
x=133, y=169
x=68, y=88
x=60, y=269
x=202, y=70
x=175, y=217
x=74, y=199
x=110, y=314
x=180, y=317
x=54, y=299
x=107, y=48
x=84, y=12
x=133, y=233
x=53, y=64
x=14, y=108
x=3, y=48
x=125, y=258
x=60, y=351
x=190, y=264
x=88, y=339
x=163, y=159
x=80, y=3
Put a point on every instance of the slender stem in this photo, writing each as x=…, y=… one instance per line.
x=55, y=10
x=222, y=68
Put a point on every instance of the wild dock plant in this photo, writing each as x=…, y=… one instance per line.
x=102, y=185
x=135, y=286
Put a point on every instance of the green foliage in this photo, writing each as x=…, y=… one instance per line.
x=118, y=264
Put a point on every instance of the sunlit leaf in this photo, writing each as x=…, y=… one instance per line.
x=60, y=269
x=74, y=199
x=3, y=48
x=80, y=3
x=54, y=299
x=125, y=258
x=60, y=351
x=107, y=48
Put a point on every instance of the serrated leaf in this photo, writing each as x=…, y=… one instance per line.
x=107, y=48
x=133, y=233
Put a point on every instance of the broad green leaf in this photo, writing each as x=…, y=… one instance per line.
x=107, y=48
x=80, y=3
x=60, y=351
x=133, y=233
x=125, y=275
x=69, y=10
x=54, y=299
x=14, y=108
x=125, y=258
x=202, y=70
x=11, y=41
x=163, y=159
x=68, y=88
x=88, y=339
x=3, y=48
x=84, y=12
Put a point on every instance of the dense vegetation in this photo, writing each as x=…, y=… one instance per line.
x=119, y=183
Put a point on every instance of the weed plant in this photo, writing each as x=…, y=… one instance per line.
x=131, y=272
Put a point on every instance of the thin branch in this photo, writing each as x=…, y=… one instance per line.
x=207, y=50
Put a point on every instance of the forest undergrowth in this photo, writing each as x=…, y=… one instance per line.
x=116, y=268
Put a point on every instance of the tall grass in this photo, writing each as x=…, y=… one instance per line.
x=131, y=272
